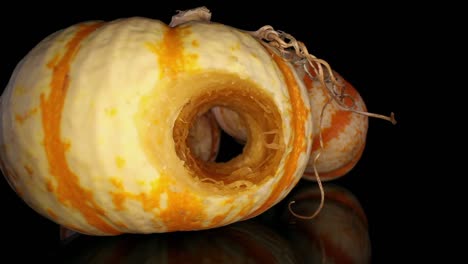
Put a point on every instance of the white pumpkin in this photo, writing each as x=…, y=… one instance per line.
x=95, y=122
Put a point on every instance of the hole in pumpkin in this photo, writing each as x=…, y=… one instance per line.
x=204, y=137
x=229, y=148
x=210, y=142
x=237, y=166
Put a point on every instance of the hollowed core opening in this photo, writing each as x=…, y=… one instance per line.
x=229, y=147
x=262, y=152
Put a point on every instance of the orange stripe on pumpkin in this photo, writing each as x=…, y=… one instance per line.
x=52, y=214
x=68, y=189
x=340, y=119
x=51, y=64
x=28, y=169
x=184, y=211
x=300, y=113
x=171, y=56
x=217, y=220
x=23, y=117
x=308, y=82
x=222, y=217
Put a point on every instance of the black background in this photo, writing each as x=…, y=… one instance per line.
x=365, y=44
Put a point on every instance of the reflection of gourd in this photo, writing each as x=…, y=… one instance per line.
x=95, y=125
x=339, y=234
x=245, y=242
x=343, y=132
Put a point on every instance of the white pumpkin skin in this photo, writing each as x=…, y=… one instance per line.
x=90, y=118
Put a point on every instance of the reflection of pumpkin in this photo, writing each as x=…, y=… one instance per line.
x=95, y=126
x=245, y=242
x=339, y=234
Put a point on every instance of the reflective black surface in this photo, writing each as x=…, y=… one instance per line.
x=362, y=46
x=344, y=232
x=338, y=235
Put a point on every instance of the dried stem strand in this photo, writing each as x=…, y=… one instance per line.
x=296, y=52
x=317, y=176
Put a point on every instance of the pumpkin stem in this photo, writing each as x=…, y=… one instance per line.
x=195, y=14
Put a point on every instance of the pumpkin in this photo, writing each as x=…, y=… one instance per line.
x=96, y=121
